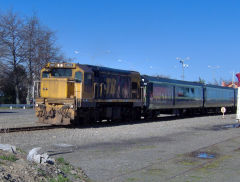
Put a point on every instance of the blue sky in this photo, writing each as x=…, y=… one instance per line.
x=145, y=35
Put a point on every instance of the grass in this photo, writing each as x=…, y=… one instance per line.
x=60, y=178
x=188, y=162
x=21, y=151
x=61, y=160
x=11, y=158
x=41, y=172
x=214, y=164
x=155, y=171
x=65, y=166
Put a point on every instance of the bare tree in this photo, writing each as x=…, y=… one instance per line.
x=25, y=44
x=30, y=35
x=39, y=49
x=10, y=39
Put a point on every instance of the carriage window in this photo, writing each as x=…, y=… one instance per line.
x=45, y=74
x=78, y=77
x=88, y=79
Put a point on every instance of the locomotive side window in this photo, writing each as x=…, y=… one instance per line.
x=45, y=74
x=78, y=77
x=88, y=79
x=134, y=85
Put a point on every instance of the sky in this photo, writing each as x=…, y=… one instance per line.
x=145, y=35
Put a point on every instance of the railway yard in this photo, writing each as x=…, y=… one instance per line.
x=204, y=148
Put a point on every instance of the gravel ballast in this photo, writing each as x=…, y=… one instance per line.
x=109, y=152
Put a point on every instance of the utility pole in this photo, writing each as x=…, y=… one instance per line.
x=181, y=61
x=233, y=84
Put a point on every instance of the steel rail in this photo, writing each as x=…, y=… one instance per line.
x=29, y=128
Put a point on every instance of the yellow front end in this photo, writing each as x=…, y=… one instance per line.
x=58, y=88
x=57, y=102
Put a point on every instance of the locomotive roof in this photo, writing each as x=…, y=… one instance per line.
x=167, y=80
x=90, y=68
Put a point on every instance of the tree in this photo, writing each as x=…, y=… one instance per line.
x=201, y=80
x=7, y=86
x=39, y=48
x=10, y=39
x=25, y=43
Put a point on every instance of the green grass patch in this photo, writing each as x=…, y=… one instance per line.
x=65, y=166
x=155, y=171
x=59, y=178
x=61, y=160
x=11, y=158
x=214, y=164
x=20, y=150
x=188, y=162
x=41, y=172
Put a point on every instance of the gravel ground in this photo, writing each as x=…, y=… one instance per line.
x=119, y=152
x=18, y=118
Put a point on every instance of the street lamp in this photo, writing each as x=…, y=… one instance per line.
x=181, y=61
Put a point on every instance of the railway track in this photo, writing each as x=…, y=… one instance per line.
x=28, y=128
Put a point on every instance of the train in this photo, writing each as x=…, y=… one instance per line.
x=75, y=94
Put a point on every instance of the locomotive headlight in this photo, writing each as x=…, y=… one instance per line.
x=61, y=65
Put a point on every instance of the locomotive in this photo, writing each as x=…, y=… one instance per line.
x=71, y=93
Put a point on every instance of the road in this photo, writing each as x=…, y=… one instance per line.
x=161, y=150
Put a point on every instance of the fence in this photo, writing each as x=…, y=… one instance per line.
x=16, y=106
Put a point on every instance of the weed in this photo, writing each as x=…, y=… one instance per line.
x=60, y=178
x=188, y=162
x=21, y=151
x=11, y=158
x=214, y=163
x=41, y=172
x=65, y=166
x=155, y=171
x=61, y=160
x=131, y=179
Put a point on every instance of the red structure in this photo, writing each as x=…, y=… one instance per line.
x=230, y=84
x=238, y=76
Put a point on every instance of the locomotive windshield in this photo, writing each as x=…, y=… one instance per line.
x=45, y=74
x=61, y=72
